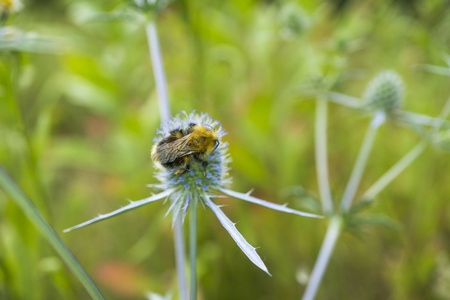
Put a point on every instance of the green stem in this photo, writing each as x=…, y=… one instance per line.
x=321, y=155
x=180, y=258
x=164, y=111
x=158, y=70
x=30, y=210
x=193, y=245
x=331, y=237
x=361, y=161
x=394, y=171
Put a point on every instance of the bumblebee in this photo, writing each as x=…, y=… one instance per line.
x=182, y=147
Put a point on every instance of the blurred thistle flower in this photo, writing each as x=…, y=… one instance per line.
x=293, y=21
x=385, y=92
x=384, y=95
x=10, y=6
x=149, y=5
x=198, y=184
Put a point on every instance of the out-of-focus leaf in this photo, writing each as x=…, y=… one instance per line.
x=358, y=222
x=360, y=206
x=305, y=199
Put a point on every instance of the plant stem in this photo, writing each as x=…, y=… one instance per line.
x=358, y=169
x=33, y=214
x=345, y=100
x=333, y=231
x=180, y=258
x=164, y=110
x=394, y=171
x=158, y=70
x=419, y=119
x=443, y=115
x=193, y=245
x=321, y=155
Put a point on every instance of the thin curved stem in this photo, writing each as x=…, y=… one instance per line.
x=193, y=246
x=361, y=161
x=331, y=237
x=321, y=155
x=345, y=100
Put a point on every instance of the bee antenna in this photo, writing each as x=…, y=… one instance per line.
x=213, y=129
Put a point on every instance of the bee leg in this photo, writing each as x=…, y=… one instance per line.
x=180, y=171
x=185, y=166
x=184, y=170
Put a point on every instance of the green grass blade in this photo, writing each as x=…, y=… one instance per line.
x=30, y=210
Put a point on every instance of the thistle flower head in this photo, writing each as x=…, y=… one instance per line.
x=197, y=179
x=385, y=92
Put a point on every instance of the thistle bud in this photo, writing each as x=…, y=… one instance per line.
x=293, y=20
x=385, y=92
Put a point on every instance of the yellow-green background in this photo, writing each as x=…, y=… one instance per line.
x=76, y=129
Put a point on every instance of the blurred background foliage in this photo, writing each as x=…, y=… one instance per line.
x=77, y=124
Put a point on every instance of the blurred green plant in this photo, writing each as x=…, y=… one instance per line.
x=12, y=43
x=383, y=97
x=76, y=131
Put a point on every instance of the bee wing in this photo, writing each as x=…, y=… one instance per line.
x=176, y=149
